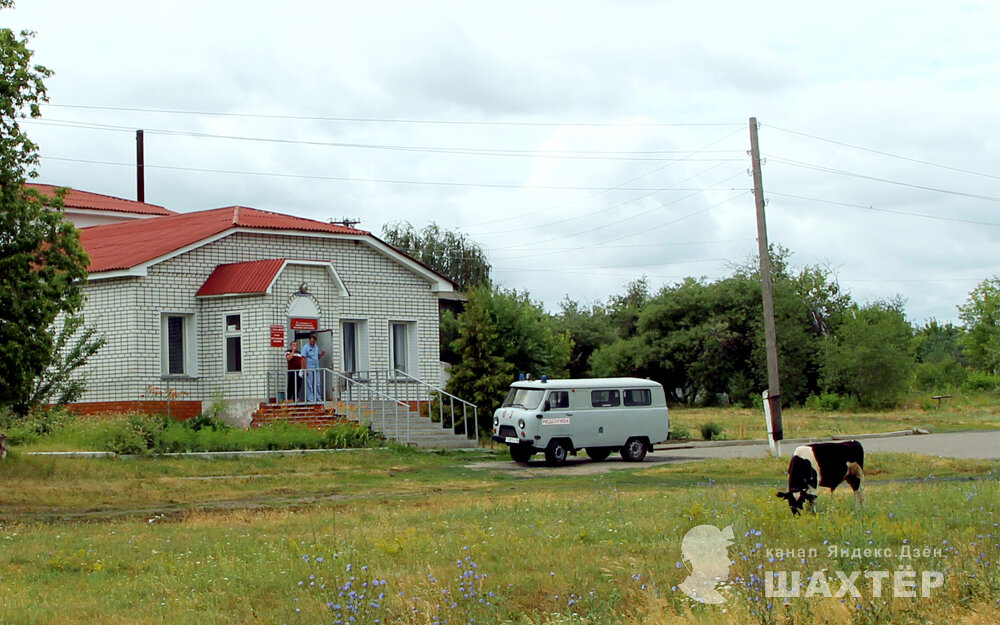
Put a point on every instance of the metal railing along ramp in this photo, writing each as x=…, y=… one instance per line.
x=395, y=404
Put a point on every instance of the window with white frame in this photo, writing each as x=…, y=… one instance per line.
x=403, y=346
x=354, y=335
x=178, y=353
x=234, y=342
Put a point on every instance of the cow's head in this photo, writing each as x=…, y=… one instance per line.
x=796, y=499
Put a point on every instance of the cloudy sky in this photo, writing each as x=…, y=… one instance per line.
x=582, y=144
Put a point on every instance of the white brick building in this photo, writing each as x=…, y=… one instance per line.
x=203, y=304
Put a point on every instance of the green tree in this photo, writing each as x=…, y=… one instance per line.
x=871, y=357
x=705, y=340
x=588, y=329
x=941, y=361
x=503, y=333
x=42, y=263
x=481, y=376
x=452, y=254
x=981, y=316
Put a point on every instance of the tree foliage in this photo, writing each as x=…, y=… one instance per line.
x=503, y=333
x=704, y=341
x=42, y=263
x=871, y=356
x=981, y=316
x=481, y=376
x=452, y=254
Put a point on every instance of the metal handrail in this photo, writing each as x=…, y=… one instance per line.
x=365, y=394
x=441, y=393
x=351, y=384
x=389, y=385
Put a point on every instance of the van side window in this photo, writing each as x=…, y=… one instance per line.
x=604, y=399
x=558, y=400
x=638, y=397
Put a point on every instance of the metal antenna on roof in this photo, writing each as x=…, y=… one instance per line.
x=140, y=182
x=345, y=221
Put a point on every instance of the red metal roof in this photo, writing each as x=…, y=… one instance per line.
x=126, y=245
x=96, y=201
x=251, y=277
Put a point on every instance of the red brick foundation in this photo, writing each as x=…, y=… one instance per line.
x=180, y=410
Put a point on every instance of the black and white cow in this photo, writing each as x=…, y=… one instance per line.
x=824, y=465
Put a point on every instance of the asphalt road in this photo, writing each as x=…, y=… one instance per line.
x=983, y=444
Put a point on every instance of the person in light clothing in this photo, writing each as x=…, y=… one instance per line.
x=314, y=379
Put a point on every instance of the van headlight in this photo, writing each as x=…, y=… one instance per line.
x=496, y=420
x=520, y=423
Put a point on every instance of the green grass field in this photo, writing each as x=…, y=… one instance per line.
x=957, y=413
x=387, y=536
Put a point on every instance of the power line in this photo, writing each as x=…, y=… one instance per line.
x=534, y=214
x=605, y=209
x=883, y=153
x=634, y=234
x=831, y=170
x=883, y=210
x=374, y=180
x=388, y=120
x=646, y=155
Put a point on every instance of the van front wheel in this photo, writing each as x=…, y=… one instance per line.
x=634, y=450
x=555, y=453
x=519, y=453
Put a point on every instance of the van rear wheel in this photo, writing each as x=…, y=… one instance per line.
x=634, y=450
x=556, y=452
x=598, y=453
x=520, y=453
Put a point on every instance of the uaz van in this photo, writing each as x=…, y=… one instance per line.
x=601, y=415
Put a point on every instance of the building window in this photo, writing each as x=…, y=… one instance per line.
x=234, y=343
x=178, y=353
x=354, y=335
x=403, y=346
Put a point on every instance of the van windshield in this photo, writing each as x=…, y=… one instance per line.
x=526, y=398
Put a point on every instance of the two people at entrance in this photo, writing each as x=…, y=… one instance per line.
x=305, y=381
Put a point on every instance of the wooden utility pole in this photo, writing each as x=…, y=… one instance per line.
x=770, y=336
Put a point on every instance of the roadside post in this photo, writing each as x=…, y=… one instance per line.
x=775, y=445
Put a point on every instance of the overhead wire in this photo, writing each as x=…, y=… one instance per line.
x=372, y=180
x=884, y=210
x=535, y=213
x=605, y=209
x=451, y=122
x=840, y=172
x=644, y=155
x=884, y=153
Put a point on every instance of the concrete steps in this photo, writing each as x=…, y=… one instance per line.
x=316, y=416
x=411, y=428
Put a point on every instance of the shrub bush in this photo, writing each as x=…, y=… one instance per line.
x=137, y=436
x=711, y=431
x=944, y=374
x=38, y=423
x=679, y=433
x=978, y=381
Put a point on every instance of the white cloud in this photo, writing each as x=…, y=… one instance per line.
x=912, y=80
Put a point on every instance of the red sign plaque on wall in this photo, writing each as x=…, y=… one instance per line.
x=299, y=323
x=277, y=336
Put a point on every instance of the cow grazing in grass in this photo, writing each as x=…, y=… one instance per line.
x=3, y=446
x=824, y=465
